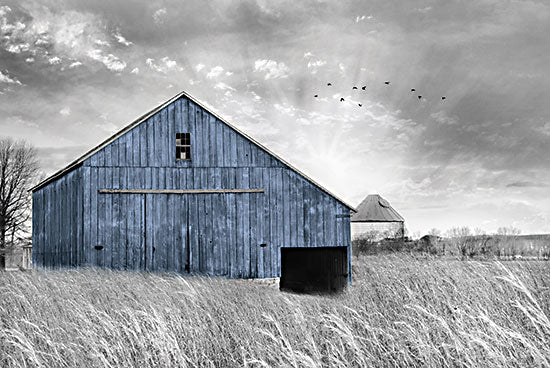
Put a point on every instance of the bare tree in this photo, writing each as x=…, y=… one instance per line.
x=19, y=170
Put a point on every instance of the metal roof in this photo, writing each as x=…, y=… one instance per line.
x=374, y=208
x=78, y=162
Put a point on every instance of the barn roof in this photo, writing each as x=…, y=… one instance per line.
x=374, y=208
x=78, y=162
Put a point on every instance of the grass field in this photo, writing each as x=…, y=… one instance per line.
x=400, y=311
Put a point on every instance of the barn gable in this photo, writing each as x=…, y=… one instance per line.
x=149, y=141
x=130, y=204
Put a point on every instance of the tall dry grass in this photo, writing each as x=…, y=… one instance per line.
x=400, y=311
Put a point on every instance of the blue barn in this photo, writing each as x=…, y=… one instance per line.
x=181, y=190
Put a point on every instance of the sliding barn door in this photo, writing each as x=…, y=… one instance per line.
x=120, y=232
x=166, y=233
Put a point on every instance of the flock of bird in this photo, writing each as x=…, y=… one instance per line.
x=364, y=88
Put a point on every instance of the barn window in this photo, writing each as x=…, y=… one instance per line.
x=183, y=146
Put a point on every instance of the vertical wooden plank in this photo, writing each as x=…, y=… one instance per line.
x=162, y=139
x=232, y=225
x=259, y=223
x=47, y=217
x=219, y=143
x=241, y=214
x=114, y=152
x=274, y=244
x=86, y=216
x=253, y=226
x=266, y=251
x=178, y=122
x=208, y=182
x=133, y=151
x=106, y=180
x=170, y=139
x=158, y=140
x=96, y=209
x=124, y=214
x=148, y=221
x=306, y=213
x=233, y=148
x=280, y=220
x=143, y=144
x=292, y=207
x=121, y=143
x=209, y=122
x=115, y=220
x=150, y=127
x=73, y=219
x=226, y=145
x=286, y=208
x=184, y=223
x=194, y=221
x=195, y=137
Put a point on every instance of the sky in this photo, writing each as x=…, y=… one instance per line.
x=73, y=72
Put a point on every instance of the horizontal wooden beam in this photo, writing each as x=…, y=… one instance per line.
x=178, y=191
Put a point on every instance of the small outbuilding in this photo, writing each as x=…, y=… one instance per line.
x=376, y=219
x=182, y=190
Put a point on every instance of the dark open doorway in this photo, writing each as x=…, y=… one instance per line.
x=321, y=269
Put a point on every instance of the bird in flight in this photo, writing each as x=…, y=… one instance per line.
x=443, y=98
x=364, y=88
x=386, y=82
x=419, y=97
x=316, y=96
x=354, y=87
x=329, y=84
x=412, y=89
x=360, y=105
x=341, y=99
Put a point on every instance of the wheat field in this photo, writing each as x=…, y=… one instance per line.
x=400, y=311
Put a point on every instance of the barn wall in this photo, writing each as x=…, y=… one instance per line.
x=57, y=219
x=217, y=234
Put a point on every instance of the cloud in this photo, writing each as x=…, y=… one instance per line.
x=75, y=64
x=52, y=36
x=112, y=62
x=342, y=68
x=159, y=15
x=527, y=184
x=54, y=60
x=5, y=78
x=120, y=39
x=66, y=111
x=362, y=18
x=102, y=43
x=315, y=65
x=164, y=66
x=223, y=87
x=17, y=49
x=214, y=72
x=272, y=69
x=545, y=129
x=423, y=10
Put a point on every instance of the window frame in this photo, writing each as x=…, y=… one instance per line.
x=183, y=145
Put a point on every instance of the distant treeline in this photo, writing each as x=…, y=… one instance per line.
x=463, y=247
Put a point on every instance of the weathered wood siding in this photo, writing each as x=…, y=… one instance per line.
x=57, y=223
x=218, y=234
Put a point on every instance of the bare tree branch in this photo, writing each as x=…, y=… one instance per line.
x=19, y=169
